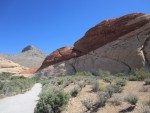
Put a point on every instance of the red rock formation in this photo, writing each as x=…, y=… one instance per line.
x=60, y=55
x=108, y=31
x=29, y=71
x=98, y=36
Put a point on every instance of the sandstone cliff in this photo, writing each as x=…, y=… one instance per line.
x=9, y=66
x=116, y=45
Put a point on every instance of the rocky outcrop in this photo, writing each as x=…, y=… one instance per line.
x=60, y=55
x=115, y=45
x=9, y=66
x=108, y=31
x=29, y=57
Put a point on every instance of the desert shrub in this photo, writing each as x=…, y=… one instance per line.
x=84, y=73
x=132, y=99
x=60, y=81
x=147, y=81
x=102, y=98
x=109, y=90
x=81, y=85
x=52, y=103
x=70, y=79
x=101, y=73
x=5, y=75
x=121, y=82
x=117, y=88
x=132, y=78
x=11, y=85
x=108, y=79
x=95, y=86
x=75, y=91
x=141, y=74
x=107, y=74
x=113, y=89
x=122, y=75
x=88, y=103
x=49, y=88
x=66, y=83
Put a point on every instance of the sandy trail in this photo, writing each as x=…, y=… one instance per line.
x=22, y=103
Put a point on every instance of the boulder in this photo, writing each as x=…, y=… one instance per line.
x=115, y=45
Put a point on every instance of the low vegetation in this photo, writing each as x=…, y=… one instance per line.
x=139, y=75
x=88, y=104
x=105, y=85
x=132, y=99
x=12, y=85
x=75, y=91
x=54, y=102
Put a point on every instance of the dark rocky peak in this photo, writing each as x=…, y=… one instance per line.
x=30, y=48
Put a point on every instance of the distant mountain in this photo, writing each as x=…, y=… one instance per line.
x=29, y=57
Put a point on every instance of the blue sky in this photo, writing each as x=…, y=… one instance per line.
x=51, y=24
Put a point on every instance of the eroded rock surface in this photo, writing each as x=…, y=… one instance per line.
x=60, y=55
x=9, y=66
x=115, y=45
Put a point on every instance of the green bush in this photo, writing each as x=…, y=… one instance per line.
x=113, y=89
x=81, y=85
x=83, y=74
x=109, y=91
x=102, y=98
x=132, y=99
x=11, y=85
x=138, y=75
x=88, y=103
x=107, y=79
x=132, y=78
x=52, y=103
x=121, y=82
x=75, y=91
x=66, y=83
x=95, y=86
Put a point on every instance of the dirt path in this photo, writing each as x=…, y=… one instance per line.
x=22, y=103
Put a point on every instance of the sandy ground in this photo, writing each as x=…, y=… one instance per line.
x=22, y=103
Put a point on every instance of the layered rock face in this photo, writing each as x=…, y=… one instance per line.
x=9, y=66
x=108, y=31
x=29, y=57
x=115, y=45
x=60, y=55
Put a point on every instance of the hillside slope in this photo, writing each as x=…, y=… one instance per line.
x=29, y=57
